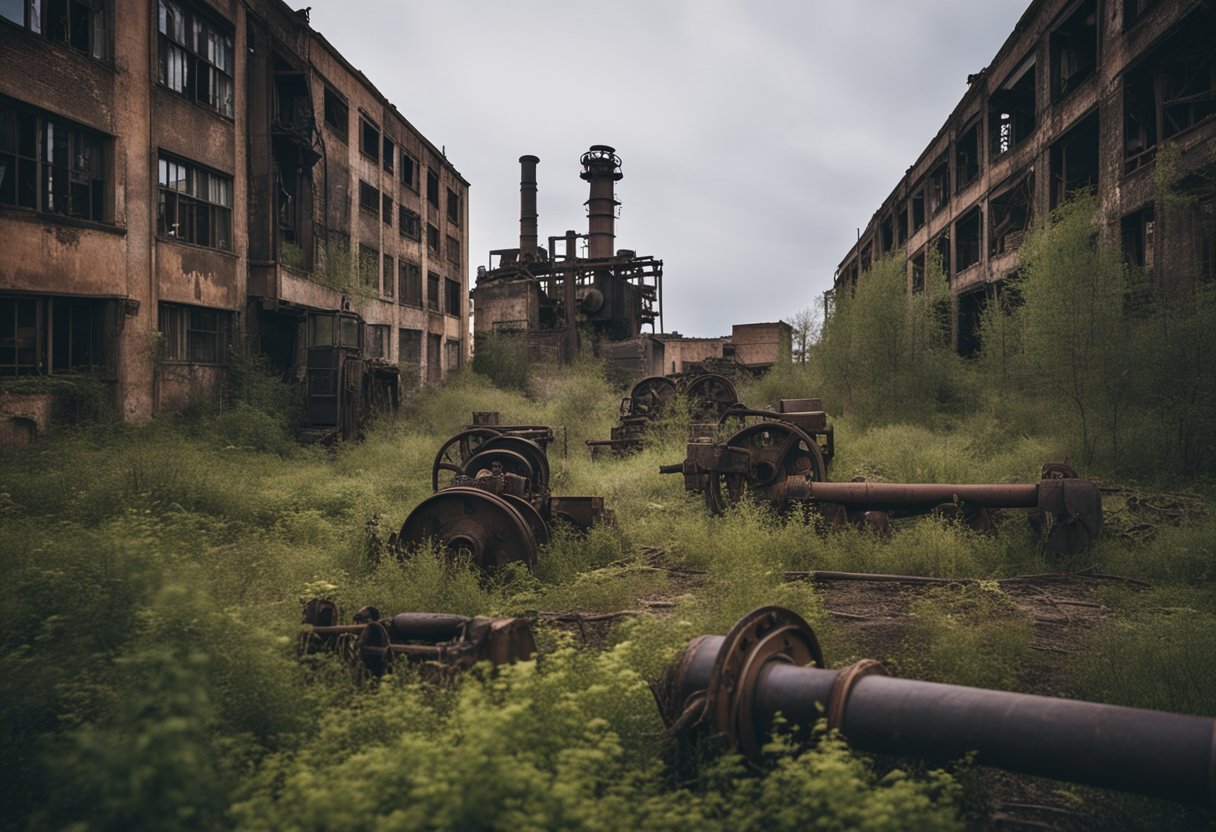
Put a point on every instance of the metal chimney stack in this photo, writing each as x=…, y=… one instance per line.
x=527, y=207
x=602, y=168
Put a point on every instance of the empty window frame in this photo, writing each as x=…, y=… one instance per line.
x=389, y=154
x=968, y=236
x=369, y=198
x=432, y=238
x=386, y=211
x=432, y=186
x=1009, y=216
x=369, y=139
x=390, y=277
x=918, y=209
x=1136, y=234
x=409, y=224
x=195, y=334
x=941, y=244
x=409, y=352
x=194, y=57
x=194, y=204
x=378, y=341
x=886, y=234
x=337, y=114
x=1074, y=160
x=453, y=207
x=409, y=284
x=967, y=156
x=1074, y=49
x=409, y=171
x=918, y=271
x=453, y=355
x=432, y=291
x=453, y=251
x=451, y=296
x=51, y=165
x=369, y=267
x=938, y=185
x=83, y=25
x=56, y=335
x=1012, y=111
x=901, y=224
x=867, y=256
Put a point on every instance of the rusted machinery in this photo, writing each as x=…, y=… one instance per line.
x=771, y=662
x=439, y=642
x=494, y=504
x=710, y=395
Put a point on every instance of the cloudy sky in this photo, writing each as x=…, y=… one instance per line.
x=755, y=137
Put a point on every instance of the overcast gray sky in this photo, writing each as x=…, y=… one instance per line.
x=755, y=137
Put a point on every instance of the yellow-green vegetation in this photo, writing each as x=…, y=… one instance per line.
x=153, y=579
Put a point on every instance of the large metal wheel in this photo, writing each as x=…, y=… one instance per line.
x=540, y=529
x=778, y=451
x=651, y=396
x=528, y=449
x=506, y=462
x=710, y=396
x=474, y=523
x=457, y=451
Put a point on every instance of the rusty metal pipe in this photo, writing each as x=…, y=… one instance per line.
x=744, y=686
x=885, y=495
x=527, y=207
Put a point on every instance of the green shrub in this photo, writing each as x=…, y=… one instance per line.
x=503, y=359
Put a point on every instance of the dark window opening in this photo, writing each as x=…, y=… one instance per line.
x=80, y=24
x=386, y=212
x=369, y=142
x=901, y=224
x=1136, y=234
x=1009, y=216
x=432, y=187
x=867, y=257
x=390, y=276
x=918, y=271
x=1074, y=161
x=390, y=153
x=432, y=238
x=1139, y=118
x=409, y=171
x=967, y=156
x=432, y=291
x=1012, y=111
x=918, y=209
x=194, y=205
x=434, y=370
x=195, y=334
x=451, y=296
x=48, y=335
x=1074, y=49
x=942, y=246
x=453, y=207
x=1133, y=10
x=194, y=56
x=51, y=165
x=886, y=234
x=369, y=267
x=369, y=197
x=454, y=251
x=378, y=337
x=939, y=186
x=409, y=284
x=409, y=354
x=968, y=237
x=337, y=114
x=409, y=223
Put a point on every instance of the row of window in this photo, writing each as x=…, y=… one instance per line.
x=409, y=348
x=409, y=223
x=377, y=273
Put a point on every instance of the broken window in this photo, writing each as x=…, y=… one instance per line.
x=409, y=223
x=1136, y=234
x=432, y=238
x=390, y=276
x=409, y=171
x=432, y=187
x=409, y=284
x=453, y=355
x=55, y=335
x=1074, y=49
x=1009, y=215
x=451, y=296
x=941, y=244
x=386, y=212
x=918, y=271
x=1011, y=110
x=939, y=185
x=968, y=234
x=454, y=251
x=453, y=207
x=51, y=165
x=369, y=266
x=369, y=142
x=1074, y=160
x=195, y=334
x=901, y=223
x=337, y=114
x=918, y=209
x=390, y=153
x=432, y=291
x=80, y=24
x=369, y=197
x=195, y=204
x=886, y=234
x=377, y=346
x=967, y=155
x=194, y=56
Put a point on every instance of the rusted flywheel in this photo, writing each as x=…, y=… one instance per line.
x=710, y=395
x=651, y=396
x=457, y=451
x=469, y=522
x=537, y=459
x=778, y=451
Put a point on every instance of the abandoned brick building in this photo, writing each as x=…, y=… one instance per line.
x=1083, y=94
x=183, y=177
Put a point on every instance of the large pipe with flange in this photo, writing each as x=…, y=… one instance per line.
x=738, y=683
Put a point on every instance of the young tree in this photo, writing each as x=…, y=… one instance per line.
x=806, y=324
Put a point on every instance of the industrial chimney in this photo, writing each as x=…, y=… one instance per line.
x=602, y=168
x=527, y=208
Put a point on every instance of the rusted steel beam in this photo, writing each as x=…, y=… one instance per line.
x=771, y=663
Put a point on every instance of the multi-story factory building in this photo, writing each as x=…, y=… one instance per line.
x=1083, y=94
x=180, y=179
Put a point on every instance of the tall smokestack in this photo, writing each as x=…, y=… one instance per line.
x=527, y=207
x=602, y=168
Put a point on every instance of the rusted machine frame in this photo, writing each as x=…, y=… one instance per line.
x=450, y=643
x=770, y=663
x=812, y=420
